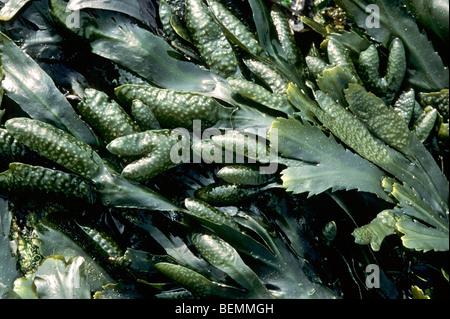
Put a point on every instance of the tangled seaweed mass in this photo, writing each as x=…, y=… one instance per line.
x=231, y=149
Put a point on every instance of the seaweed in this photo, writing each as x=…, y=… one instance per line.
x=333, y=147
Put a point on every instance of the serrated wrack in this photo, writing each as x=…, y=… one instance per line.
x=316, y=162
